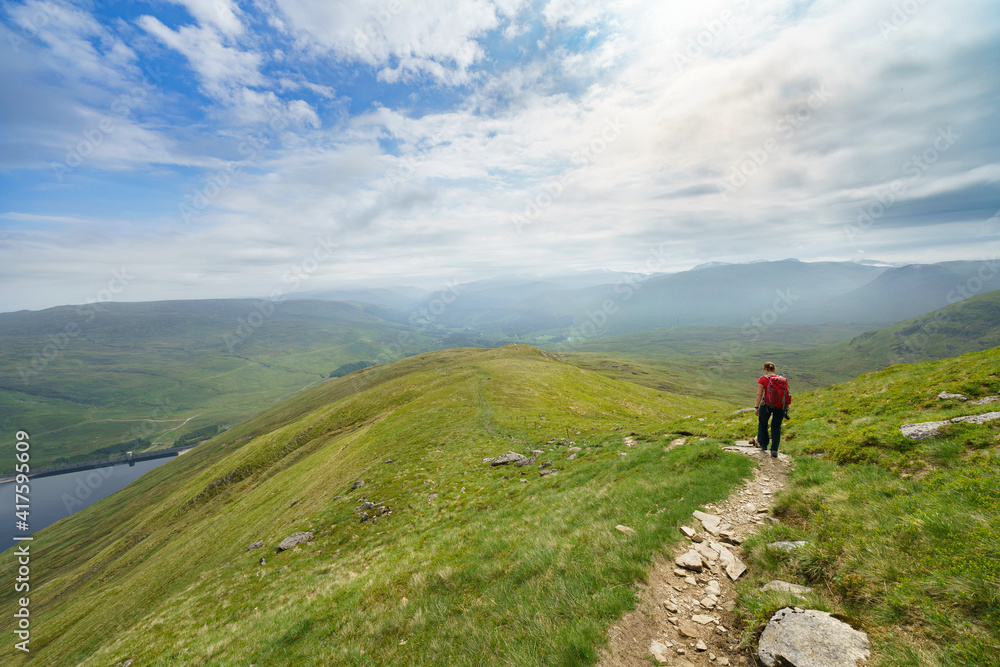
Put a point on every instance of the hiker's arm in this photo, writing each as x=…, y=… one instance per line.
x=760, y=395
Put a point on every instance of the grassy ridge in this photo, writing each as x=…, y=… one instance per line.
x=903, y=536
x=472, y=564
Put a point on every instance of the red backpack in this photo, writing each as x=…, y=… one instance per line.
x=776, y=392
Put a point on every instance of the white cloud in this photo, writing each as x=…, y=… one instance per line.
x=223, y=14
x=31, y=217
x=439, y=197
x=221, y=68
x=433, y=37
x=75, y=41
x=230, y=74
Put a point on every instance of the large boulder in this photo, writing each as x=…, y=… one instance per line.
x=294, y=540
x=811, y=638
x=922, y=430
x=509, y=457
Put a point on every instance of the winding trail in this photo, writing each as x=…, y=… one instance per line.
x=675, y=601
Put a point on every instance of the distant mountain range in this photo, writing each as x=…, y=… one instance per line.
x=767, y=292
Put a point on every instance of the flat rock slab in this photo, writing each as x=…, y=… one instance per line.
x=707, y=519
x=785, y=587
x=707, y=552
x=977, y=419
x=811, y=638
x=659, y=651
x=690, y=560
x=625, y=529
x=948, y=396
x=734, y=566
x=294, y=540
x=787, y=546
x=931, y=429
x=688, y=629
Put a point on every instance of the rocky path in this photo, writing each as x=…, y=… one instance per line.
x=685, y=617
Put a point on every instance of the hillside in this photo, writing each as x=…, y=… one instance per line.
x=85, y=378
x=709, y=361
x=723, y=362
x=967, y=326
x=467, y=563
x=901, y=536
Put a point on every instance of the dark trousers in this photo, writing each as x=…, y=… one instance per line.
x=775, y=415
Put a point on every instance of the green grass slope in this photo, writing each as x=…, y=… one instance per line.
x=718, y=362
x=902, y=536
x=81, y=380
x=472, y=565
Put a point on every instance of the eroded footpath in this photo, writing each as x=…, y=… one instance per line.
x=685, y=616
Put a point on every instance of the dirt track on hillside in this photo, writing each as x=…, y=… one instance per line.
x=676, y=601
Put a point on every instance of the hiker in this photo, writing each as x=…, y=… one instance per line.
x=773, y=399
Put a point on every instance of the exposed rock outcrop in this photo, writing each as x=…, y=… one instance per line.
x=923, y=430
x=295, y=539
x=509, y=457
x=811, y=638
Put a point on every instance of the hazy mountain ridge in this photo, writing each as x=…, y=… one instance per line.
x=785, y=291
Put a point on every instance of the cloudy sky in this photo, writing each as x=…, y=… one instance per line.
x=214, y=148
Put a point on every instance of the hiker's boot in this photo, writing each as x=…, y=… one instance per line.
x=774, y=454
